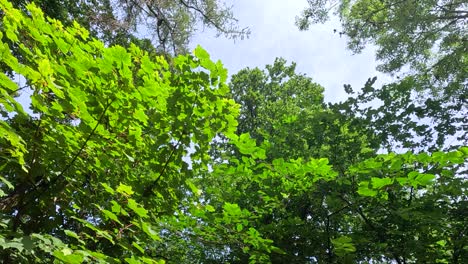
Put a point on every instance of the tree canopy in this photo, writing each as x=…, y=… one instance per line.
x=167, y=24
x=359, y=196
x=422, y=42
x=428, y=36
x=119, y=156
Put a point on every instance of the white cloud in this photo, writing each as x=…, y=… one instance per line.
x=319, y=52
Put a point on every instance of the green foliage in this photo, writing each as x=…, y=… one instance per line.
x=98, y=157
x=427, y=35
x=110, y=162
x=343, y=245
x=357, y=208
x=403, y=121
x=424, y=44
x=285, y=111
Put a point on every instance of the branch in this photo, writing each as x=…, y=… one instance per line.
x=338, y=211
x=19, y=89
x=84, y=143
x=411, y=196
x=208, y=19
x=46, y=185
x=359, y=211
x=160, y=20
x=150, y=188
x=454, y=17
x=380, y=235
x=34, y=150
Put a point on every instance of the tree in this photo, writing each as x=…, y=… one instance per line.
x=424, y=109
x=427, y=36
x=347, y=204
x=169, y=24
x=97, y=169
x=424, y=43
x=285, y=111
x=103, y=140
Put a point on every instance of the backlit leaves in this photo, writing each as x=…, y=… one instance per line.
x=106, y=125
x=112, y=162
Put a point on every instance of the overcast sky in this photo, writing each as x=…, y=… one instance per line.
x=319, y=52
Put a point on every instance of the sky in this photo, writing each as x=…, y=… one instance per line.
x=318, y=52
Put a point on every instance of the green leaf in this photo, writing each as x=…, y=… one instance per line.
x=425, y=179
x=132, y=260
x=343, y=245
x=210, y=208
x=120, y=56
x=200, y=53
x=464, y=150
x=7, y=183
x=71, y=234
x=138, y=247
x=378, y=183
x=125, y=189
x=193, y=188
x=107, y=188
x=44, y=67
x=140, y=115
x=402, y=181
x=135, y=207
x=74, y=235
x=116, y=208
x=6, y=82
x=153, y=234
x=110, y=215
x=365, y=191
x=130, y=158
x=18, y=245
x=232, y=209
x=67, y=256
